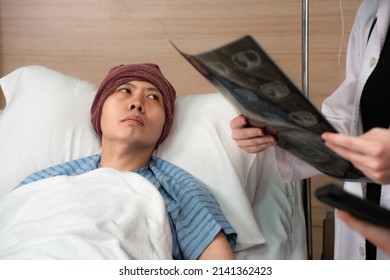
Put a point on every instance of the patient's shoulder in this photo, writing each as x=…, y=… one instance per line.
x=69, y=168
x=168, y=169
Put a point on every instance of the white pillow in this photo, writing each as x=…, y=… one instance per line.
x=47, y=121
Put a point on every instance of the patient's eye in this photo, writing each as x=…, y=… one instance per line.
x=124, y=89
x=153, y=96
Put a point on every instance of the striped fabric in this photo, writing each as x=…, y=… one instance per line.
x=194, y=214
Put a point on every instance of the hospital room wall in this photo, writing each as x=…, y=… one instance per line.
x=86, y=38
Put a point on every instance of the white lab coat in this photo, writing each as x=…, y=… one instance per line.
x=342, y=109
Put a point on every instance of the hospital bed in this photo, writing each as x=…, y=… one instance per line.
x=46, y=120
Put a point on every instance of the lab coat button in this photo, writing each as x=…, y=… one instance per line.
x=361, y=251
x=373, y=62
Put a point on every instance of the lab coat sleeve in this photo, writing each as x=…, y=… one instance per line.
x=291, y=168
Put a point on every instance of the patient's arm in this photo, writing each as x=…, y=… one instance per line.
x=218, y=249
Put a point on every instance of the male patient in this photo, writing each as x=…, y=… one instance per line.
x=132, y=114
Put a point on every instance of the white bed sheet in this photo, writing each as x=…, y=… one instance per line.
x=84, y=217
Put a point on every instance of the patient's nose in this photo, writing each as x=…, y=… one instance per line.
x=136, y=105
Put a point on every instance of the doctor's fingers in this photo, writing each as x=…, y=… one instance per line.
x=346, y=152
x=381, y=176
x=246, y=133
x=376, y=168
x=238, y=122
x=256, y=145
x=345, y=141
x=375, y=142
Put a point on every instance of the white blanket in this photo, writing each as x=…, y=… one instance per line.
x=103, y=214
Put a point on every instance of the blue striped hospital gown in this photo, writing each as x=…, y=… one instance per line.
x=194, y=214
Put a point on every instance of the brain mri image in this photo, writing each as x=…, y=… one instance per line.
x=220, y=68
x=247, y=60
x=304, y=118
x=275, y=90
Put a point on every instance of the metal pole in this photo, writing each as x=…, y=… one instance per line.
x=305, y=84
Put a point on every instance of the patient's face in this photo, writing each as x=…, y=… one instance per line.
x=133, y=115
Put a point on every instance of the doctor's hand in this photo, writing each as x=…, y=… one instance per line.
x=250, y=139
x=369, y=152
x=380, y=236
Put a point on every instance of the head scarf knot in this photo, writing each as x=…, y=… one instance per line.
x=121, y=74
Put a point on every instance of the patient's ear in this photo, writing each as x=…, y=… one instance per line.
x=2, y=99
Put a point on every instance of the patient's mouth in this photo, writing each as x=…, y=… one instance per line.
x=133, y=120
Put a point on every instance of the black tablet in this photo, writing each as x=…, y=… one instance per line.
x=361, y=208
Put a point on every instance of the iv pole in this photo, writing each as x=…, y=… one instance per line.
x=305, y=63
